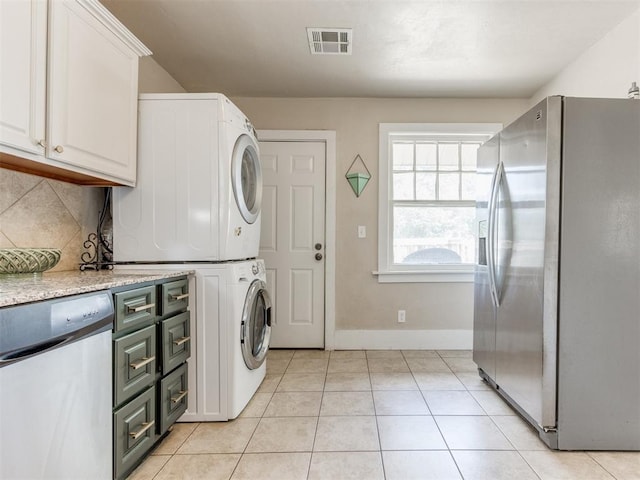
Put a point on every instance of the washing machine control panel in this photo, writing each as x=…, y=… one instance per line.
x=249, y=126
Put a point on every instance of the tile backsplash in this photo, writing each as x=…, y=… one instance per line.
x=40, y=212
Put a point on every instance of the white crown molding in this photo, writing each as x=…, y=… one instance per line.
x=105, y=17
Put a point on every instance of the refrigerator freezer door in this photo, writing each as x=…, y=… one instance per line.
x=527, y=215
x=599, y=309
x=484, y=317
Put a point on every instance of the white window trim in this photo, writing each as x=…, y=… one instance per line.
x=388, y=273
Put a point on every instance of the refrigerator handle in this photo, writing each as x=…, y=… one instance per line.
x=491, y=233
x=505, y=206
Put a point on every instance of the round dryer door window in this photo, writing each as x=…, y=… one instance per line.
x=255, y=329
x=246, y=178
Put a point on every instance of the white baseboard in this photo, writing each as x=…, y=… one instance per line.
x=403, y=339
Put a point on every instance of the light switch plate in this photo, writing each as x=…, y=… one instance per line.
x=362, y=231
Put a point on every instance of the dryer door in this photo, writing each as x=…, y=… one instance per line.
x=246, y=178
x=255, y=329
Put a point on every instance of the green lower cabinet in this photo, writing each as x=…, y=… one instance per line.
x=176, y=341
x=173, y=397
x=150, y=350
x=174, y=296
x=134, y=357
x=134, y=308
x=134, y=431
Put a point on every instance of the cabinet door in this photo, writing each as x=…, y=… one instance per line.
x=93, y=90
x=23, y=45
x=174, y=296
x=134, y=308
x=134, y=431
x=134, y=363
x=176, y=341
x=174, y=392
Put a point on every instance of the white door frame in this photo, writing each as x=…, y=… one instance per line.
x=329, y=139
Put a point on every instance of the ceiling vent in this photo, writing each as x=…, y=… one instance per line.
x=330, y=41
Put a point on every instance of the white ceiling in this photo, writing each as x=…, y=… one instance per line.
x=401, y=48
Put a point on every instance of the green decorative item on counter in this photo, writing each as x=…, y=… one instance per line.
x=27, y=260
x=358, y=179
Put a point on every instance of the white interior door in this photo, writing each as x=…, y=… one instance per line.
x=292, y=240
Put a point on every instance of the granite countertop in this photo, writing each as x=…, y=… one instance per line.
x=16, y=289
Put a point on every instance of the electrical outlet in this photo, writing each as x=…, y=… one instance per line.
x=402, y=316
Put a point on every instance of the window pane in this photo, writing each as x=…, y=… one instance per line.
x=402, y=156
x=428, y=235
x=426, y=155
x=468, y=186
x=448, y=153
x=448, y=188
x=403, y=186
x=469, y=152
x=425, y=186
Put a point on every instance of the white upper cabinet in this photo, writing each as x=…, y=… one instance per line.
x=23, y=57
x=88, y=107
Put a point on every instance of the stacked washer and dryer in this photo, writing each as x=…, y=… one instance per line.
x=196, y=206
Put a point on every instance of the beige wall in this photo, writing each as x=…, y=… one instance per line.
x=604, y=70
x=152, y=78
x=361, y=302
x=39, y=212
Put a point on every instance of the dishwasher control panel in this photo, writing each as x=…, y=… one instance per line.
x=75, y=312
x=32, y=328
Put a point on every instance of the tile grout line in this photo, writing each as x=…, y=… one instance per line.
x=315, y=433
x=438, y=426
x=375, y=414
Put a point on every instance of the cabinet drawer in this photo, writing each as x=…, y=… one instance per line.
x=174, y=296
x=134, y=431
x=134, y=363
x=135, y=308
x=176, y=341
x=173, y=397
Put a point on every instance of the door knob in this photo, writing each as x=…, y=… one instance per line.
x=59, y=149
x=318, y=256
x=318, y=246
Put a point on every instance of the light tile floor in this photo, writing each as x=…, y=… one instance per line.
x=369, y=415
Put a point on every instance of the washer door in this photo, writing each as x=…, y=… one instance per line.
x=255, y=329
x=246, y=178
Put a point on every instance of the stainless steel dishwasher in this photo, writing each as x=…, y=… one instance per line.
x=55, y=388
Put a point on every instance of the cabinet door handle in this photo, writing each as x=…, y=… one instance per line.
x=42, y=143
x=145, y=426
x=59, y=149
x=148, y=306
x=175, y=297
x=142, y=362
x=181, y=340
x=182, y=394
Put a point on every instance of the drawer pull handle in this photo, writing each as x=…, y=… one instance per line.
x=182, y=394
x=148, y=306
x=142, y=362
x=145, y=426
x=181, y=340
x=175, y=297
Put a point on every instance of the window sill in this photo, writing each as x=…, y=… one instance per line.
x=426, y=276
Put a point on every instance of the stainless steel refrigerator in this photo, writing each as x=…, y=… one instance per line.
x=557, y=280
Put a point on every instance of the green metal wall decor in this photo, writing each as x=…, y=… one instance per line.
x=357, y=178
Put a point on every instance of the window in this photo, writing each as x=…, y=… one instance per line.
x=427, y=201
